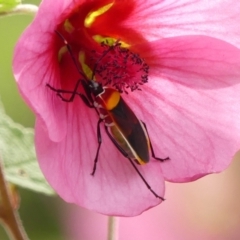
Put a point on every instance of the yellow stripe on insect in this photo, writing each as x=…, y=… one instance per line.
x=112, y=100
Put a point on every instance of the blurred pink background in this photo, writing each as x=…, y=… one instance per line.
x=208, y=209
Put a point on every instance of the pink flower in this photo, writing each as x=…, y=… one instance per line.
x=190, y=212
x=190, y=103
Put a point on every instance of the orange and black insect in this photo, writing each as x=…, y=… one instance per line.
x=125, y=130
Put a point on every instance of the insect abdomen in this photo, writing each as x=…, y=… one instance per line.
x=125, y=127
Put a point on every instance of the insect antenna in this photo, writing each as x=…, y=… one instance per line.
x=71, y=54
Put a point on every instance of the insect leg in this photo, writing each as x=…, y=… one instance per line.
x=151, y=147
x=134, y=166
x=99, y=145
x=60, y=91
x=146, y=183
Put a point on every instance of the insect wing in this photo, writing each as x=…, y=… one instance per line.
x=132, y=130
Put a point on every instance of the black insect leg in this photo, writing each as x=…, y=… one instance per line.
x=60, y=91
x=146, y=183
x=151, y=147
x=132, y=163
x=74, y=93
x=99, y=145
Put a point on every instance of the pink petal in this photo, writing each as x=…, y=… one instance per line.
x=35, y=64
x=156, y=19
x=116, y=188
x=191, y=105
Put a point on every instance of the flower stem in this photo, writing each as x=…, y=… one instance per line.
x=112, y=228
x=8, y=216
x=21, y=9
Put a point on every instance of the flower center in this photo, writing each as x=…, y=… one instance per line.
x=103, y=54
x=120, y=68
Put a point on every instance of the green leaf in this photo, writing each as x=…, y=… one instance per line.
x=6, y=5
x=18, y=155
